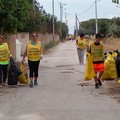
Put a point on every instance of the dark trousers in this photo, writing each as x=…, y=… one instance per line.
x=3, y=73
x=33, y=67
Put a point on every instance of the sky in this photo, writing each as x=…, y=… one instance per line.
x=105, y=9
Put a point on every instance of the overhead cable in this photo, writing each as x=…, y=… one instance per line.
x=86, y=10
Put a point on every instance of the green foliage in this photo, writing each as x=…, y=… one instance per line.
x=13, y=14
x=89, y=27
x=50, y=45
x=114, y=27
x=105, y=27
x=19, y=16
x=64, y=30
x=42, y=22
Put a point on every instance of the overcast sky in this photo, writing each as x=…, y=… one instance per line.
x=105, y=9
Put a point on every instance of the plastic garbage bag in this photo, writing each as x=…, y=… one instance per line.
x=23, y=78
x=118, y=64
x=110, y=71
x=89, y=71
x=13, y=72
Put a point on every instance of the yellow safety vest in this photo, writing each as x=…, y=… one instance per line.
x=4, y=52
x=34, y=51
x=97, y=51
x=81, y=43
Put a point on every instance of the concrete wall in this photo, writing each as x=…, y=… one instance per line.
x=44, y=38
x=47, y=38
x=11, y=40
x=24, y=38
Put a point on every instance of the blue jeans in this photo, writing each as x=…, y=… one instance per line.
x=80, y=55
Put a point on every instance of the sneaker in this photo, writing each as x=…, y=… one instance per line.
x=31, y=84
x=96, y=86
x=35, y=82
x=0, y=85
x=99, y=83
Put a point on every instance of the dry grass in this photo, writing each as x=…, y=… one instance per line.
x=112, y=44
x=113, y=86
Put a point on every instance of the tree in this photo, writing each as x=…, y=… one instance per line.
x=13, y=15
x=103, y=26
x=114, y=28
x=88, y=27
x=18, y=16
x=64, y=30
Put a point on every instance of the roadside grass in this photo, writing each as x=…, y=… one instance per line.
x=113, y=85
x=112, y=44
x=50, y=45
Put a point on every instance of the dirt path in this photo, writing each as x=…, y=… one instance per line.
x=62, y=93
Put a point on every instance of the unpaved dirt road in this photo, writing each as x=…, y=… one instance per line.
x=62, y=93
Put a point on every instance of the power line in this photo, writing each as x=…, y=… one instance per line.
x=77, y=20
x=87, y=9
x=76, y=26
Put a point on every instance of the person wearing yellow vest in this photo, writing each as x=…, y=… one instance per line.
x=4, y=61
x=81, y=46
x=97, y=52
x=33, y=53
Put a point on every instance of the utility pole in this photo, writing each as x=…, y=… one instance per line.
x=76, y=26
x=34, y=13
x=60, y=21
x=53, y=20
x=66, y=17
x=96, y=16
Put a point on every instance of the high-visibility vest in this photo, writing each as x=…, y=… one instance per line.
x=81, y=43
x=34, y=51
x=4, y=52
x=97, y=51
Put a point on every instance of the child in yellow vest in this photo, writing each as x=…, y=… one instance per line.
x=97, y=52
